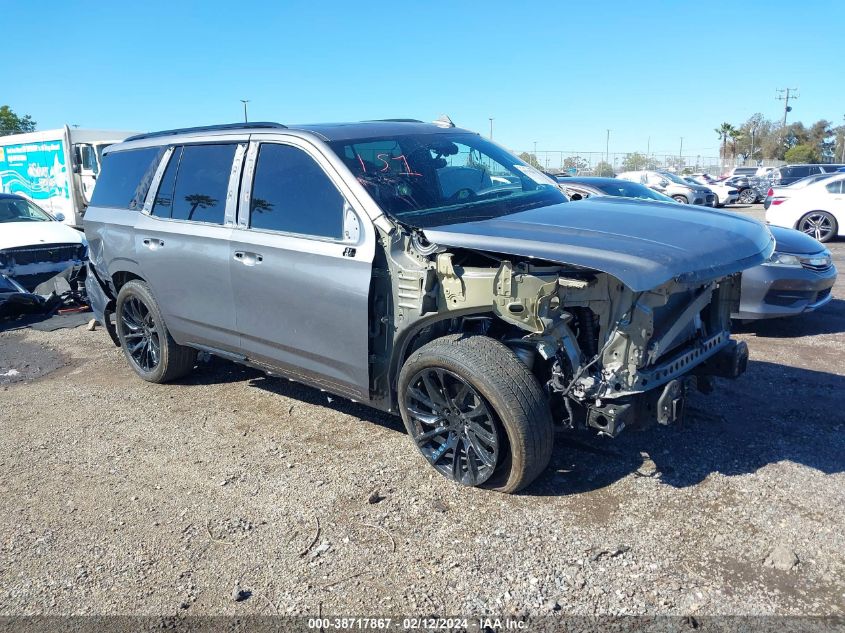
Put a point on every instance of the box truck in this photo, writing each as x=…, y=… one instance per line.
x=56, y=169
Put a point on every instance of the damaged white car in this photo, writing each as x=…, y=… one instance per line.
x=36, y=246
x=422, y=270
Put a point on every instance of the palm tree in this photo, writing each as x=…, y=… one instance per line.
x=725, y=131
x=735, y=135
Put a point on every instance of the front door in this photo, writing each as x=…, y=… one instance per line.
x=182, y=244
x=300, y=276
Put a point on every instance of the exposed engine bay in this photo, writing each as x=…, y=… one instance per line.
x=607, y=356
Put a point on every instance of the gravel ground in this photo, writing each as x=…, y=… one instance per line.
x=234, y=493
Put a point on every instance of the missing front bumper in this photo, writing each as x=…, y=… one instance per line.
x=667, y=405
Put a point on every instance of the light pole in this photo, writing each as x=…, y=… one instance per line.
x=491, y=128
x=245, y=101
x=536, y=158
x=681, y=154
x=607, y=148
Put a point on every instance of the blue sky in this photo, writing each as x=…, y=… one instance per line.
x=556, y=73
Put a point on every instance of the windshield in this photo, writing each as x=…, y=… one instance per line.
x=674, y=178
x=430, y=179
x=628, y=189
x=20, y=210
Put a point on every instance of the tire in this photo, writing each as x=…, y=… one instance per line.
x=505, y=429
x=681, y=199
x=139, y=322
x=747, y=196
x=818, y=224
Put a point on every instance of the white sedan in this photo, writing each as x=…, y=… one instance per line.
x=34, y=245
x=725, y=194
x=817, y=209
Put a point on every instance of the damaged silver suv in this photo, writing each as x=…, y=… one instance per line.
x=421, y=269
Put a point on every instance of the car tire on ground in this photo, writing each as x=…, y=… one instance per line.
x=818, y=224
x=747, y=196
x=146, y=343
x=476, y=412
x=681, y=199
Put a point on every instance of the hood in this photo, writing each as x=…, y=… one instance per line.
x=643, y=244
x=14, y=234
x=795, y=242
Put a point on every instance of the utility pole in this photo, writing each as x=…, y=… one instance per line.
x=753, y=129
x=491, y=128
x=536, y=158
x=607, y=148
x=245, y=101
x=681, y=151
x=785, y=94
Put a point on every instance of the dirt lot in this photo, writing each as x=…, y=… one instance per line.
x=125, y=497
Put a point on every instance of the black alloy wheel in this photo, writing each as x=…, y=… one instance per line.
x=453, y=426
x=140, y=333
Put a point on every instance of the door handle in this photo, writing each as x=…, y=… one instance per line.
x=247, y=258
x=152, y=243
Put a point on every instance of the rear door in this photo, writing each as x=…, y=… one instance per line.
x=182, y=242
x=301, y=261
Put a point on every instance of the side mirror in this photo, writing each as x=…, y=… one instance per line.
x=60, y=217
x=77, y=169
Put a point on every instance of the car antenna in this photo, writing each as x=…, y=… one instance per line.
x=443, y=121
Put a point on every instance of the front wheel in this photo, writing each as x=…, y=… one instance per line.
x=146, y=343
x=476, y=413
x=680, y=199
x=818, y=224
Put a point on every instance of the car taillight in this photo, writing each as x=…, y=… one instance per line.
x=770, y=192
x=776, y=201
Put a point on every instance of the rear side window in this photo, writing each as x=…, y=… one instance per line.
x=195, y=184
x=797, y=172
x=126, y=177
x=836, y=187
x=291, y=193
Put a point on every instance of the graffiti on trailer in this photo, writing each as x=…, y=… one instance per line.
x=35, y=170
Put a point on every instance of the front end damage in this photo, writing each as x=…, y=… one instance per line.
x=608, y=357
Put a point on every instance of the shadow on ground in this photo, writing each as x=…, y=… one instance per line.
x=772, y=413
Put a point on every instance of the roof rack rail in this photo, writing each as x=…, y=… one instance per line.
x=392, y=121
x=209, y=128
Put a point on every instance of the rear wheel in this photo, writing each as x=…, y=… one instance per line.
x=747, y=196
x=680, y=199
x=146, y=343
x=476, y=413
x=818, y=224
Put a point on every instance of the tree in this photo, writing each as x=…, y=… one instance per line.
x=530, y=159
x=635, y=161
x=605, y=169
x=575, y=162
x=804, y=153
x=724, y=132
x=11, y=123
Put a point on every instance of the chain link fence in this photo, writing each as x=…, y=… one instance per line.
x=601, y=163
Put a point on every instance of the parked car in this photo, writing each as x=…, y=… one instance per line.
x=420, y=269
x=35, y=245
x=582, y=187
x=784, y=191
x=817, y=209
x=788, y=174
x=741, y=171
x=725, y=194
x=751, y=188
x=797, y=278
x=673, y=186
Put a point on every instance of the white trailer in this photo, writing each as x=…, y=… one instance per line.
x=56, y=169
